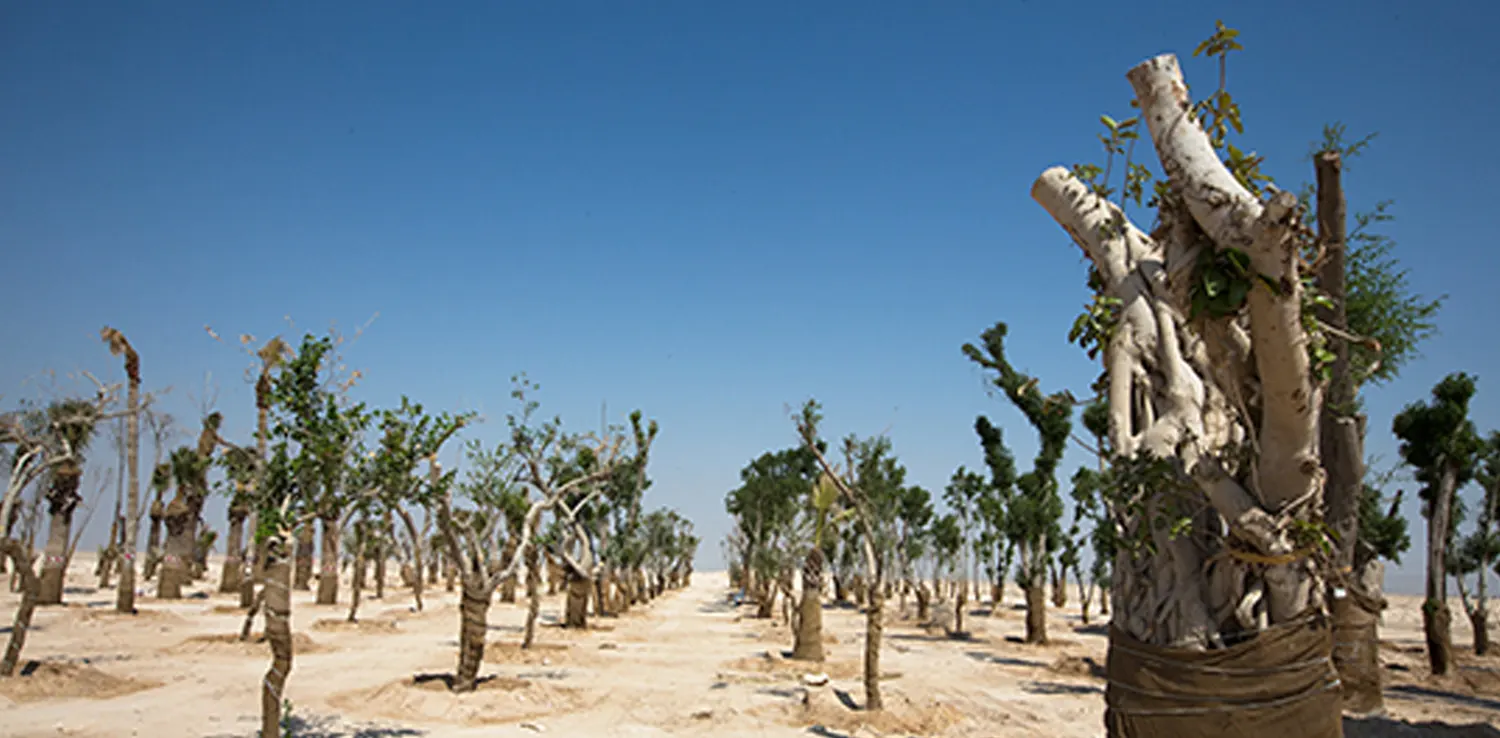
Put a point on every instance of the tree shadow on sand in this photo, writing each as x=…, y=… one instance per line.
x=1379, y=727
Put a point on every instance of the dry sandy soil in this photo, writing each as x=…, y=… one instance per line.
x=689, y=664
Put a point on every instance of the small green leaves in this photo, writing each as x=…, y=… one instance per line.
x=1221, y=282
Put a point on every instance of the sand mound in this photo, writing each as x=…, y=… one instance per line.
x=1080, y=666
x=496, y=700
x=230, y=643
x=99, y=616
x=774, y=664
x=342, y=625
x=821, y=706
x=53, y=680
x=544, y=654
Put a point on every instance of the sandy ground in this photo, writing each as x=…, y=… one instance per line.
x=688, y=664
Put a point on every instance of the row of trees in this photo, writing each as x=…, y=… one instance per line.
x=1229, y=496
x=541, y=496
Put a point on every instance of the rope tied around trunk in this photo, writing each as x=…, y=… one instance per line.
x=1280, y=682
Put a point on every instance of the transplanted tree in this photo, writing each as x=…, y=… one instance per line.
x=870, y=485
x=962, y=494
x=1214, y=407
x=1478, y=551
x=1033, y=513
x=71, y=423
x=824, y=515
x=45, y=447
x=120, y=346
x=1439, y=441
x=189, y=465
x=765, y=505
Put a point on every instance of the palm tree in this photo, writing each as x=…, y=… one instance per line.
x=71, y=425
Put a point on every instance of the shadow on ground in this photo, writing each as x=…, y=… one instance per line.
x=1378, y=727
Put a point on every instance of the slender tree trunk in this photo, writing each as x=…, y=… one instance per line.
x=278, y=604
x=416, y=555
x=328, y=576
x=809, y=634
x=533, y=594
x=233, y=572
x=474, y=610
x=960, y=601
x=381, y=554
x=874, y=629
x=256, y=570
x=30, y=588
x=125, y=595
x=359, y=580
x=1436, y=618
x=304, y=556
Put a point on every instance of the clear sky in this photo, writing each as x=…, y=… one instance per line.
x=710, y=211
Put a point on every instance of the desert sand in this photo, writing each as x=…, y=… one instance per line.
x=689, y=663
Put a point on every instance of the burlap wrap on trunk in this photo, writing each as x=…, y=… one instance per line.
x=1356, y=646
x=1282, y=683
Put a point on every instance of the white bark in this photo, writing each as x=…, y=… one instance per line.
x=1182, y=390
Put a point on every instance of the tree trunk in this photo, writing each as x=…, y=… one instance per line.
x=474, y=611
x=766, y=602
x=1436, y=619
x=577, y=608
x=125, y=594
x=178, y=521
x=924, y=604
x=302, y=578
x=1036, y=614
x=62, y=500
x=278, y=604
x=1479, y=620
x=153, y=539
x=380, y=572
x=358, y=585
x=840, y=590
x=416, y=555
x=232, y=574
x=874, y=628
x=808, y=645
x=328, y=576
x=508, y=554
x=960, y=601
x=533, y=594
x=30, y=587
x=257, y=569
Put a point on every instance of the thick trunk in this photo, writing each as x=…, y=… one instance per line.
x=874, y=628
x=1436, y=619
x=153, y=539
x=809, y=634
x=302, y=579
x=577, y=608
x=924, y=604
x=328, y=574
x=533, y=594
x=30, y=588
x=178, y=521
x=766, y=602
x=474, y=612
x=55, y=556
x=508, y=587
x=1036, y=614
x=1479, y=621
x=233, y=573
x=278, y=605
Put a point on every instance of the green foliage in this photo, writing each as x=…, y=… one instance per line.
x=1383, y=530
x=1031, y=516
x=1438, y=439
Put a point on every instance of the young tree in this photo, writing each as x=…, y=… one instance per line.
x=71, y=423
x=822, y=508
x=120, y=346
x=962, y=494
x=1033, y=514
x=1439, y=441
x=765, y=506
x=994, y=505
x=870, y=485
x=189, y=465
x=1479, y=550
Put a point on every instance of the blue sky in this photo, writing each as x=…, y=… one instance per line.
x=710, y=211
